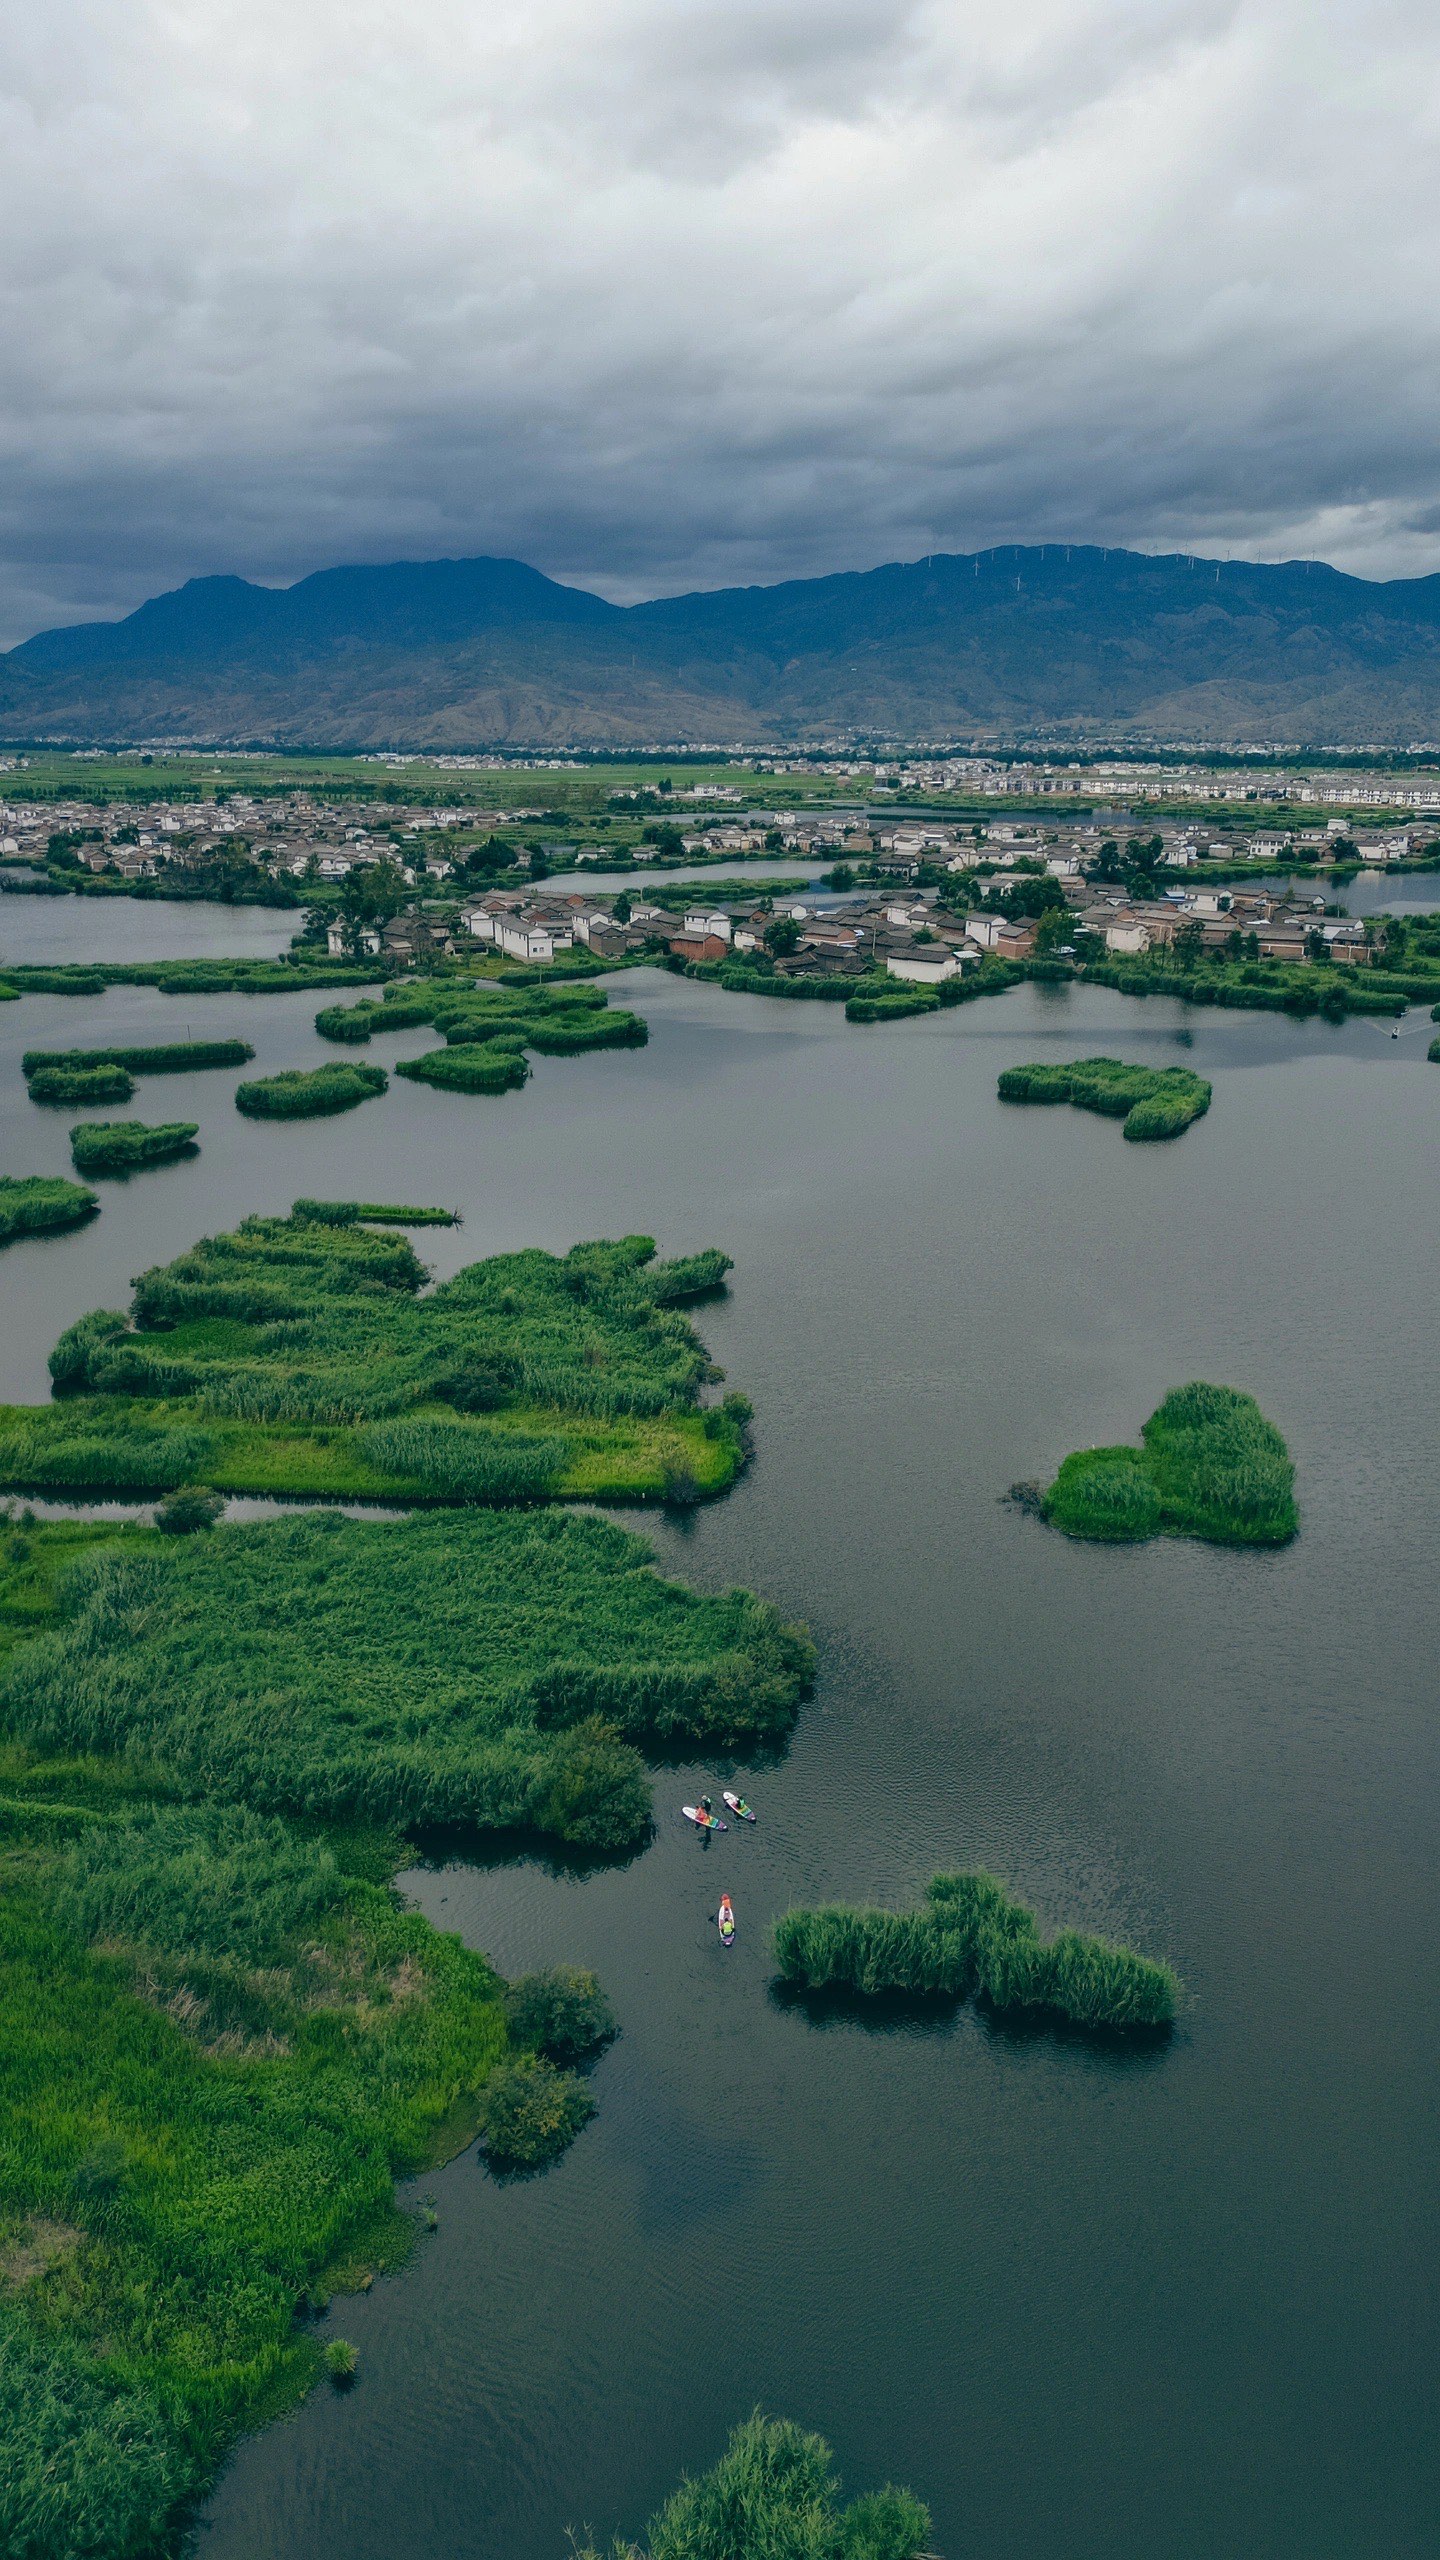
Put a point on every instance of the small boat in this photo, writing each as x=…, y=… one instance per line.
x=725, y=1921
x=703, y=1821
x=738, y=1806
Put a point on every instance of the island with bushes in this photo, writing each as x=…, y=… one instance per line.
x=160, y=1058
x=969, y=1937
x=1209, y=1466
x=126, y=1146
x=487, y=1027
x=304, y=1356
x=1151, y=1102
x=40, y=1204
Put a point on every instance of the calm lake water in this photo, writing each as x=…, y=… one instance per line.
x=1164, y=2307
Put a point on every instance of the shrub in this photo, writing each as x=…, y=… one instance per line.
x=309, y=1093
x=560, y=2012
x=530, y=2113
x=970, y=1936
x=1210, y=1466
x=37, y=1204
x=124, y=1146
x=189, y=1508
x=493, y=1068
x=342, y=2359
x=81, y=1084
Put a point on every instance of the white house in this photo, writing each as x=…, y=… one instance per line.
x=924, y=966
x=334, y=866
x=1268, y=848
x=1127, y=937
x=698, y=920
x=587, y=920
x=532, y=937
x=985, y=929
x=339, y=947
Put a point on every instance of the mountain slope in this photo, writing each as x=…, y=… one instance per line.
x=468, y=652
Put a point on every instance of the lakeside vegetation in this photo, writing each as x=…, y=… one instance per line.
x=298, y=1356
x=1152, y=1102
x=970, y=1937
x=1209, y=1466
x=374, y=1213
x=300, y=974
x=160, y=1058
x=126, y=1146
x=774, y=2495
x=487, y=1027
x=38, y=1204
x=80, y=1084
x=310, y=1093
x=494, y=1671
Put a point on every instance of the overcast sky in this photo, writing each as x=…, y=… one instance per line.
x=670, y=293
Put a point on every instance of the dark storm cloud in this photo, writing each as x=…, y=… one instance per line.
x=673, y=292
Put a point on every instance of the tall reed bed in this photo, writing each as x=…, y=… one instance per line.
x=1153, y=1102
x=124, y=1146
x=301, y=1093
x=968, y=1937
x=1209, y=1466
x=38, y=1204
x=774, y=2495
x=172, y=1057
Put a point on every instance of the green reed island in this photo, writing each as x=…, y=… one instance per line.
x=126, y=1146
x=1209, y=1466
x=970, y=1937
x=161, y=1058
x=773, y=2495
x=39, y=1204
x=310, y=1093
x=1152, y=1102
x=304, y=1356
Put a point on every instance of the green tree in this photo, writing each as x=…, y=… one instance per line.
x=370, y=895
x=782, y=937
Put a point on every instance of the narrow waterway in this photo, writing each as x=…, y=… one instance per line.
x=1169, y=2307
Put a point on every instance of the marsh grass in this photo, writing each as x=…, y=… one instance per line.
x=774, y=2495
x=37, y=1204
x=81, y=1084
x=968, y=1937
x=1153, y=1102
x=126, y=1146
x=310, y=1093
x=1209, y=1466
x=172, y=1057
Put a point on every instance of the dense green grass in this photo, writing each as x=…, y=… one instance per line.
x=487, y=1027
x=969, y=1936
x=81, y=1084
x=172, y=1057
x=375, y=1213
x=301, y=1093
x=38, y=1204
x=493, y=1670
x=299, y=1356
x=496, y=1068
x=773, y=2495
x=217, y=2049
x=1153, y=1102
x=1209, y=1466
x=124, y=1146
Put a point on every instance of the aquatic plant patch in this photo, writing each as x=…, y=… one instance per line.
x=496, y=1068
x=125, y=1146
x=374, y=1213
x=278, y=1351
x=969, y=1936
x=81, y=1084
x=774, y=2495
x=493, y=1669
x=312, y=1093
x=1209, y=1466
x=1152, y=1102
x=38, y=1204
x=173, y=1057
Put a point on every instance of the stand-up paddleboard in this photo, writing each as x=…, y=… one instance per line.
x=738, y=1806
x=703, y=1821
x=725, y=1919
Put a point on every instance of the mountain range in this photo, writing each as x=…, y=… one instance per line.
x=1064, y=642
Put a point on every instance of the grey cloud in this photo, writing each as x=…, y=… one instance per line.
x=672, y=293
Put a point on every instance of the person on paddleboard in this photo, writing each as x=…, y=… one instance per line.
x=707, y=1809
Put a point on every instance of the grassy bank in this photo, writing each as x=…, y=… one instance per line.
x=1209, y=1466
x=773, y=2495
x=298, y=1356
x=1153, y=1102
x=970, y=1937
x=39, y=1204
x=495, y=1671
x=126, y=1146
